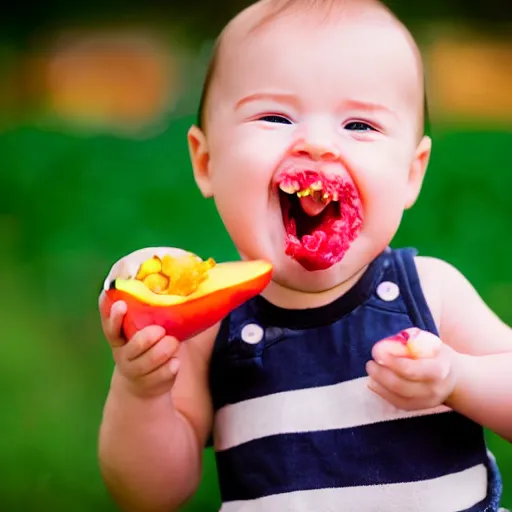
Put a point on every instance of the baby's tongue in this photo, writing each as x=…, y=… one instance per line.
x=311, y=206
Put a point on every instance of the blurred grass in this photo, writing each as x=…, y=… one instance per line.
x=72, y=205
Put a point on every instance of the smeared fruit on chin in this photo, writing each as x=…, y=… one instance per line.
x=179, y=291
x=322, y=216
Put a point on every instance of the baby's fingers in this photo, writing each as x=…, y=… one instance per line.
x=410, y=343
x=159, y=380
x=396, y=383
x=160, y=353
x=144, y=340
x=112, y=321
x=420, y=370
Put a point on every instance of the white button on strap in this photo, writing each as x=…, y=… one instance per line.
x=388, y=291
x=252, y=333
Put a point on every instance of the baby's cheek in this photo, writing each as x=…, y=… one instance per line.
x=258, y=143
x=382, y=208
x=241, y=208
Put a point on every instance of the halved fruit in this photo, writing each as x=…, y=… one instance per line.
x=177, y=290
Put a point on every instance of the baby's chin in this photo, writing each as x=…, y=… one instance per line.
x=293, y=275
x=289, y=273
x=292, y=289
x=333, y=281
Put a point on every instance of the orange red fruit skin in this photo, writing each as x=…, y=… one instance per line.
x=186, y=319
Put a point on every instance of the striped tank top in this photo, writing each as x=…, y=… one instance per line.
x=296, y=428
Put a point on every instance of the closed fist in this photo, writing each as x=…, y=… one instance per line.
x=412, y=370
x=147, y=361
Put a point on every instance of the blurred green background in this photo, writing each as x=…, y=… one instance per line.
x=94, y=109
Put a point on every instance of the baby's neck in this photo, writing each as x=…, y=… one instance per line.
x=285, y=297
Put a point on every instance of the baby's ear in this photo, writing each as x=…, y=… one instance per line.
x=200, y=158
x=417, y=171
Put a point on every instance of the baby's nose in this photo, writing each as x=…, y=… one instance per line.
x=317, y=144
x=316, y=151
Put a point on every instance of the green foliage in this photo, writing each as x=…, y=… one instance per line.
x=72, y=205
x=207, y=18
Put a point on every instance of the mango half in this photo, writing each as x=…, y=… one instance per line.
x=188, y=298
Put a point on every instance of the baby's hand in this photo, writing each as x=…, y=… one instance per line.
x=146, y=362
x=413, y=370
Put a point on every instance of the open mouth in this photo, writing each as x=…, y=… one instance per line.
x=322, y=215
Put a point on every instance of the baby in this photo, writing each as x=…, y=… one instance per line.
x=311, y=144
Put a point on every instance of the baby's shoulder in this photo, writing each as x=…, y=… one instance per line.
x=438, y=279
x=466, y=322
x=437, y=275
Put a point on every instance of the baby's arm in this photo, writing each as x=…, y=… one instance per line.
x=150, y=449
x=483, y=346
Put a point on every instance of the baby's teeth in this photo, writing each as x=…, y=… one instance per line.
x=315, y=190
x=287, y=189
x=304, y=193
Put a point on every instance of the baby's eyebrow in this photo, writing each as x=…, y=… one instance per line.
x=293, y=100
x=367, y=106
x=290, y=99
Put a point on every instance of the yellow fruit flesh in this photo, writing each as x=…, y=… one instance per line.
x=151, y=266
x=174, y=275
x=230, y=275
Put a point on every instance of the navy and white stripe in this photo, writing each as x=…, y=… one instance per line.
x=297, y=429
x=308, y=410
x=451, y=493
x=301, y=441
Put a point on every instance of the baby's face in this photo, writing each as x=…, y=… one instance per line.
x=299, y=103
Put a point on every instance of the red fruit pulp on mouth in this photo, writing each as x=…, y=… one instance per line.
x=320, y=241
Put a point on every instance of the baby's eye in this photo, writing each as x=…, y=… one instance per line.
x=273, y=118
x=359, y=126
